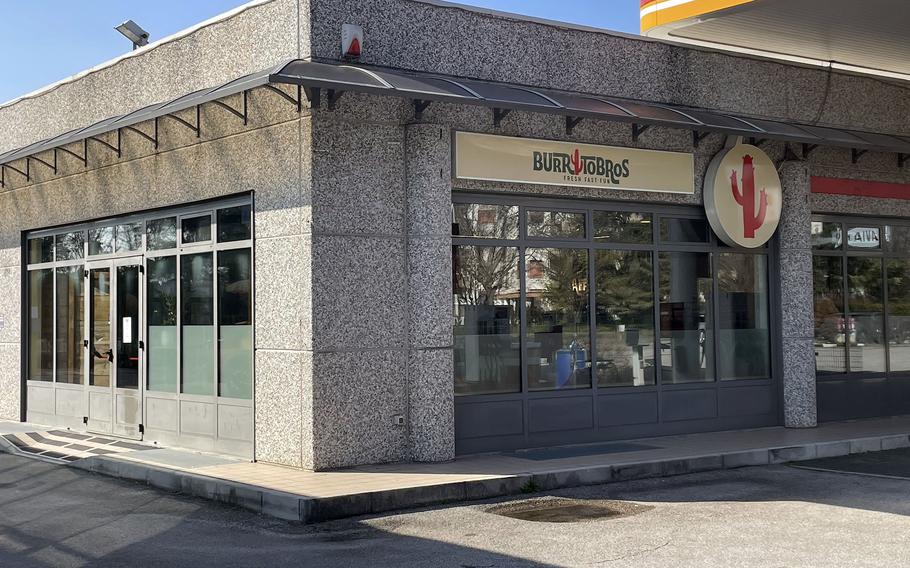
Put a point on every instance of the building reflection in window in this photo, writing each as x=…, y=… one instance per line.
x=624, y=318
x=899, y=313
x=686, y=327
x=743, y=335
x=831, y=327
x=865, y=301
x=487, y=326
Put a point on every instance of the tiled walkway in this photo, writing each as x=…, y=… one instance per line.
x=492, y=466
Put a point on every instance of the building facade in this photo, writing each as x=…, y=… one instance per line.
x=295, y=273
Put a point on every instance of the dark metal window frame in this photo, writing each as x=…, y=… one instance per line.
x=657, y=211
x=844, y=253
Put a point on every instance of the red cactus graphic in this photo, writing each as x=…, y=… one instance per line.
x=576, y=162
x=746, y=199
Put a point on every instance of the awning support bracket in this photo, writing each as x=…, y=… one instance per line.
x=111, y=147
x=83, y=158
x=757, y=142
x=298, y=102
x=334, y=96
x=420, y=105
x=153, y=139
x=902, y=159
x=243, y=115
x=571, y=123
x=638, y=130
x=697, y=137
x=857, y=154
x=52, y=166
x=314, y=95
x=25, y=174
x=197, y=128
x=808, y=149
x=499, y=114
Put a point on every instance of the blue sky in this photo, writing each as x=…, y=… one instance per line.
x=44, y=41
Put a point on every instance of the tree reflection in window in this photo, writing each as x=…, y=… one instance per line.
x=486, y=326
x=624, y=318
x=559, y=351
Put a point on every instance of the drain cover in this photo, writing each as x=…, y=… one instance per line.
x=554, y=510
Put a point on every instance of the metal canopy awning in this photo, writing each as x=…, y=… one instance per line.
x=422, y=89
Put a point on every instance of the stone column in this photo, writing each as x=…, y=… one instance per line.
x=796, y=305
x=431, y=395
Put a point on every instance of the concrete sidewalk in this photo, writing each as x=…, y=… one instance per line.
x=317, y=496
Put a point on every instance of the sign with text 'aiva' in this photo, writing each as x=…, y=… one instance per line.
x=743, y=196
x=508, y=159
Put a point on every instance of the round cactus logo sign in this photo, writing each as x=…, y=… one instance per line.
x=743, y=196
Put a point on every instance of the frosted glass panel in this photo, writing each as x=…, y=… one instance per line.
x=199, y=359
x=237, y=361
x=163, y=358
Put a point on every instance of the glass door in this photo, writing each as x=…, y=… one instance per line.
x=114, y=347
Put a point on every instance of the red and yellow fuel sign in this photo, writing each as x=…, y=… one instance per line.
x=657, y=13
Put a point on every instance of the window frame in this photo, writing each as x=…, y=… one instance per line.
x=845, y=252
x=657, y=211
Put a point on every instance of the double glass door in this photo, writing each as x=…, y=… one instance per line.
x=114, y=346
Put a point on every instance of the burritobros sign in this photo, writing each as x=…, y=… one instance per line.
x=743, y=196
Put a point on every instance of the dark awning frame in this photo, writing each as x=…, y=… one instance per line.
x=423, y=89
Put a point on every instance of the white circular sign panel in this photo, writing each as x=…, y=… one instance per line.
x=743, y=196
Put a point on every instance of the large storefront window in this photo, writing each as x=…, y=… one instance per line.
x=487, y=347
x=556, y=298
x=862, y=297
x=686, y=320
x=558, y=347
x=95, y=294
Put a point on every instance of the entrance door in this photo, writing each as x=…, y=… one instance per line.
x=115, y=347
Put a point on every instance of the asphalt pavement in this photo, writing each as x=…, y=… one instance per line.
x=57, y=516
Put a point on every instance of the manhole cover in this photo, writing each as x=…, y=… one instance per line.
x=567, y=510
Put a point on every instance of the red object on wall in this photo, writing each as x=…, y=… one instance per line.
x=860, y=188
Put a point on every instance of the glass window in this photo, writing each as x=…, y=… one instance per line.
x=558, y=341
x=686, y=318
x=618, y=227
x=897, y=239
x=163, y=368
x=556, y=224
x=864, y=237
x=899, y=314
x=674, y=230
x=827, y=236
x=127, y=324
x=485, y=221
x=70, y=246
x=41, y=249
x=100, y=313
x=161, y=234
x=234, y=223
x=743, y=334
x=196, y=229
x=486, y=326
x=830, y=325
x=41, y=325
x=235, y=324
x=624, y=318
x=70, y=325
x=198, y=329
x=101, y=241
x=865, y=304
x=129, y=237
